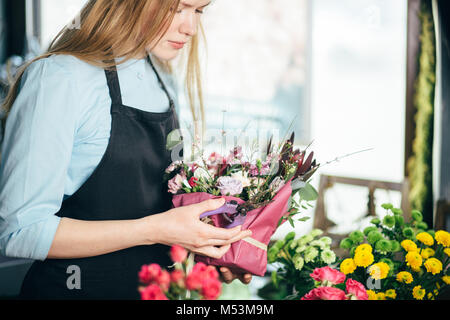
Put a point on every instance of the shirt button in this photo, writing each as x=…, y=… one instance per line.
x=140, y=76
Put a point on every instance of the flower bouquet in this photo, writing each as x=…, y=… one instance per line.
x=259, y=196
x=202, y=282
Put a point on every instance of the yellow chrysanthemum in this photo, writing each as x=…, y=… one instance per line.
x=427, y=253
x=381, y=296
x=363, y=258
x=364, y=247
x=430, y=296
x=446, y=279
x=379, y=270
x=433, y=265
x=391, y=293
x=404, y=277
x=348, y=266
x=447, y=251
x=418, y=269
x=418, y=293
x=409, y=245
x=425, y=238
x=372, y=295
x=442, y=237
x=413, y=259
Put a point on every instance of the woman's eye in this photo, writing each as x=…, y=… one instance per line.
x=199, y=11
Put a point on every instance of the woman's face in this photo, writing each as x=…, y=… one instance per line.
x=183, y=28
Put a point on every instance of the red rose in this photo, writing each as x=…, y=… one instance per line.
x=178, y=253
x=194, y=281
x=192, y=181
x=325, y=293
x=211, y=288
x=199, y=267
x=177, y=277
x=149, y=273
x=163, y=280
x=152, y=292
x=211, y=272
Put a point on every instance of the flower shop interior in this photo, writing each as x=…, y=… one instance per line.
x=362, y=83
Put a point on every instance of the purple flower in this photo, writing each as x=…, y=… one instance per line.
x=229, y=186
x=277, y=184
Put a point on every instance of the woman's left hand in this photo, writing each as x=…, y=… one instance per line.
x=227, y=276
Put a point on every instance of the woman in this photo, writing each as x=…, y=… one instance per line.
x=84, y=153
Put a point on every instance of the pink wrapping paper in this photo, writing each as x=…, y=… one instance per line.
x=243, y=257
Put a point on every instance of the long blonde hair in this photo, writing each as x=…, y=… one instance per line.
x=107, y=27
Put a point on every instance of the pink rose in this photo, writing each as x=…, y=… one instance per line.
x=194, y=280
x=211, y=272
x=356, y=289
x=177, y=277
x=199, y=267
x=211, y=289
x=325, y=293
x=152, y=292
x=149, y=273
x=178, y=253
x=176, y=183
x=328, y=276
x=163, y=280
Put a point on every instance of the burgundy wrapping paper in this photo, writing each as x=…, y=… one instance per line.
x=243, y=257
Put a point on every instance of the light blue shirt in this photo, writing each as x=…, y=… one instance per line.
x=55, y=136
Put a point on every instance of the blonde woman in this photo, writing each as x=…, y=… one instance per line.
x=84, y=153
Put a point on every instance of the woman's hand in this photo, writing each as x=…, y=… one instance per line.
x=228, y=276
x=182, y=226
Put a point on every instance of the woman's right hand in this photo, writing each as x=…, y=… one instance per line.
x=182, y=226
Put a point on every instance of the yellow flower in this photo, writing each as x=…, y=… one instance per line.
x=430, y=296
x=418, y=293
x=363, y=258
x=447, y=251
x=433, y=265
x=413, y=259
x=363, y=247
x=409, y=245
x=418, y=269
x=426, y=253
x=404, y=277
x=381, y=296
x=425, y=238
x=442, y=237
x=372, y=295
x=391, y=293
x=379, y=270
x=348, y=266
x=446, y=279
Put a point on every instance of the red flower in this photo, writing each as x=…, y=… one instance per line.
x=211, y=272
x=328, y=274
x=192, y=181
x=163, y=280
x=211, y=289
x=325, y=293
x=356, y=289
x=194, y=280
x=152, y=292
x=149, y=273
x=177, y=277
x=178, y=253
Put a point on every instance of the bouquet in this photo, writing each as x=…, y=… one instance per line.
x=180, y=284
x=260, y=196
x=399, y=260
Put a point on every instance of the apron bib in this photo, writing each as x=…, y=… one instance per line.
x=127, y=184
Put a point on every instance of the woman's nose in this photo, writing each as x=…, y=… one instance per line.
x=189, y=24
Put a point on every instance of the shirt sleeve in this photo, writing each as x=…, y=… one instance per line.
x=36, y=153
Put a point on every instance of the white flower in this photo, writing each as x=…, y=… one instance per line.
x=328, y=256
x=201, y=173
x=242, y=177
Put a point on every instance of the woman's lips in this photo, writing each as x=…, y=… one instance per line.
x=177, y=45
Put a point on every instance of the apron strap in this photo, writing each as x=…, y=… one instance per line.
x=113, y=84
x=161, y=82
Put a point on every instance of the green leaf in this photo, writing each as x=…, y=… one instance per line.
x=304, y=219
x=291, y=222
x=308, y=193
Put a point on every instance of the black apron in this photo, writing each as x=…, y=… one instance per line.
x=127, y=184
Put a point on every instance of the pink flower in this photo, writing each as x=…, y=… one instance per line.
x=163, y=280
x=229, y=186
x=194, y=281
x=199, y=267
x=211, y=289
x=211, y=272
x=328, y=276
x=176, y=183
x=325, y=293
x=177, y=277
x=149, y=273
x=178, y=253
x=356, y=289
x=215, y=158
x=152, y=292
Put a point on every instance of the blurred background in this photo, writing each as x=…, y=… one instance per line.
x=346, y=76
